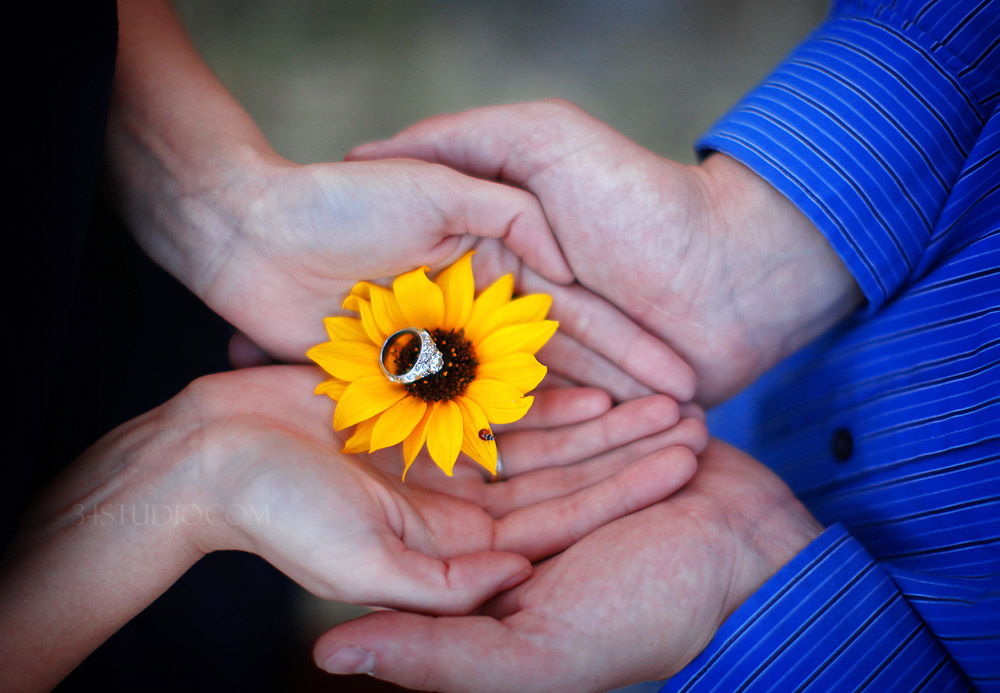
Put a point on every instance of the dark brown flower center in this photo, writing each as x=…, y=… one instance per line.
x=453, y=379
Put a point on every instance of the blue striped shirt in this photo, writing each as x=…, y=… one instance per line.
x=883, y=127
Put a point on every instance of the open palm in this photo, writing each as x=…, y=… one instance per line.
x=346, y=530
x=634, y=600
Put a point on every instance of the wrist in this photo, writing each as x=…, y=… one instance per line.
x=773, y=527
x=178, y=145
x=101, y=543
x=750, y=516
x=786, y=284
x=182, y=202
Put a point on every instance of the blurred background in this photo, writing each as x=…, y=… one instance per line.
x=321, y=76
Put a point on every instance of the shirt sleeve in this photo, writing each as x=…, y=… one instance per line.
x=866, y=126
x=832, y=619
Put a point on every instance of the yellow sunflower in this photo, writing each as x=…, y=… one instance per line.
x=487, y=345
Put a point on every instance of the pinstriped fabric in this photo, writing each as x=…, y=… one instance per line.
x=831, y=620
x=862, y=128
x=884, y=128
x=969, y=31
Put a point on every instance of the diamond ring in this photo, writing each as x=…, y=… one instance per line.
x=397, y=352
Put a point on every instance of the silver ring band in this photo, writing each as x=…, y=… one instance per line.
x=499, y=473
x=429, y=359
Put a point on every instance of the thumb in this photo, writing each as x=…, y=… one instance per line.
x=469, y=653
x=510, y=143
x=414, y=581
x=491, y=210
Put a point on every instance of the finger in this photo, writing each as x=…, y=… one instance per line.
x=556, y=482
x=552, y=408
x=471, y=653
x=565, y=356
x=560, y=406
x=566, y=431
x=553, y=381
x=601, y=327
x=492, y=210
x=527, y=450
x=693, y=411
x=542, y=529
x=402, y=578
x=244, y=353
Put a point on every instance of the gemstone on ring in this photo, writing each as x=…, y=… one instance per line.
x=429, y=359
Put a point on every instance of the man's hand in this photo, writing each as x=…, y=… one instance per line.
x=710, y=258
x=635, y=600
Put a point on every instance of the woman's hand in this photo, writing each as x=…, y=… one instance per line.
x=247, y=460
x=352, y=530
x=274, y=247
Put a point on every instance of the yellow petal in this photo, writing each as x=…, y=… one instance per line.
x=484, y=452
x=351, y=302
x=489, y=301
x=444, y=435
x=347, y=360
x=459, y=289
x=368, y=322
x=502, y=403
x=397, y=422
x=345, y=329
x=362, y=290
x=360, y=441
x=420, y=299
x=520, y=369
x=528, y=338
x=525, y=309
x=415, y=441
x=333, y=388
x=364, y=398
x=385, y=308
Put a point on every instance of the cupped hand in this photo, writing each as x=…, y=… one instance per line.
x=634, y=600
x=295, y=239
x=596, y=345
x=346, y=530
x=248, y=460
x=274, y=246
x=710, y=258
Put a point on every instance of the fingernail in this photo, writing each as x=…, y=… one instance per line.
x=349, y=660
x=515, y=579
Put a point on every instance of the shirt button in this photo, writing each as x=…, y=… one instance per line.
x=842, y=445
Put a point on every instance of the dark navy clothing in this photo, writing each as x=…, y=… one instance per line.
x=83, y=310
x=59, y=85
